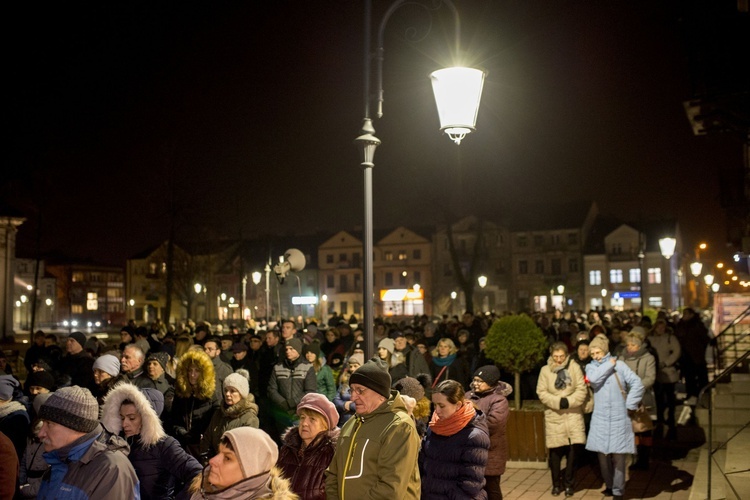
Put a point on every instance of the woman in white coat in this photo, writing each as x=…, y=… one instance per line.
x=562, y=389
x=611, y=434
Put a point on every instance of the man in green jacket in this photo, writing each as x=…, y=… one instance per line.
x=376, y=454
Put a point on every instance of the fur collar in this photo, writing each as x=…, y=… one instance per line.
x=206, y=382
x=292, y=438
x=245, y=405
x=151, y=428
x=280, y=487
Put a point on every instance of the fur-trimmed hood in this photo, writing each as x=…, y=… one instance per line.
x=206, y=382
x=292, y=438
x=151, y=429
x=244, y=405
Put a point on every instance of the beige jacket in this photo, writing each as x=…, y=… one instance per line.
x=562, y=426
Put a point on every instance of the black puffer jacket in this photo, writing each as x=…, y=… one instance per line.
x=306, y=470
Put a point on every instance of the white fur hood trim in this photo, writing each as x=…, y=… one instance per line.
x=151, y=428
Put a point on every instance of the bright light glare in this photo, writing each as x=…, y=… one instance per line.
x=458, y=92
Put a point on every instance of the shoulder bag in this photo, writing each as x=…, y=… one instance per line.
x=640, y=419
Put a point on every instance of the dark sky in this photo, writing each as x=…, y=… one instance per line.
x=239, y=117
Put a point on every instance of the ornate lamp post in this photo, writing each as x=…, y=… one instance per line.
x=695, y=269
x=667, y=247
x=457, y=94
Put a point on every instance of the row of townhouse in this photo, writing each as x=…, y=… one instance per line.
x=537, y=258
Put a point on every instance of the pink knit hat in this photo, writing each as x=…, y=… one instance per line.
x=320, y=404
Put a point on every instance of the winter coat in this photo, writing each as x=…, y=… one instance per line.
x=376, y=456
x=193, y=407
x=643, y=364
x=562, y=427
x=694, y=339
x=457, y=370
x=14, y=423
x=80, y=368
x=225, y=418
x=454, y=466
x=290, y=380
x=494, y=405
x=160, y=463
x=32, y=466
x=326, y=385
x=90, y=469
x=611, y=430
x=275, y=488
x=415, y=362
x=221, y=369
x=306, y=468
x=669, y=351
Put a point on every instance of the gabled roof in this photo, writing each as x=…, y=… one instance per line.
x=549, y=216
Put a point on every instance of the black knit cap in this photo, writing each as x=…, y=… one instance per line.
x=41, y=379
x=489, y=373
x=72, y=407
x=372, y=376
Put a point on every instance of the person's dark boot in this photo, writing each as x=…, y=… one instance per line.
x=641, y=462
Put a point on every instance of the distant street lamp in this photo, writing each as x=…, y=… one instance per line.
x=709, y=279
x=695, y=269
x=457, y=94
x=482, y=280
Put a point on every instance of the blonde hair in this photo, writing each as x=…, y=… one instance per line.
x=316, y=415
x=448, y=342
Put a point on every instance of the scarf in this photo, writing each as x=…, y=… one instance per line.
x=10, y=407
x=446, y=361
x=563, y=379
x=454, y=423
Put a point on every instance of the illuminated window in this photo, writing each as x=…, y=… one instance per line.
x=615, y=275
x=388, y=255
x=635, y=275
x=654, y=275
x=76, y=277
x=402, y=255
x=76, y=309
x=595, y=277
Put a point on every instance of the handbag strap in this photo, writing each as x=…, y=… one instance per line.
x=622, y=391
x=434, y=382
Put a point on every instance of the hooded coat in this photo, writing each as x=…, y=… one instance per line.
x=611, y=430
x=643, y=364
x=306, y=469
x=376, y=455
x=226, y=418
x=562, y=427
x=494, y=405
x=160, y=463
x=193, y=408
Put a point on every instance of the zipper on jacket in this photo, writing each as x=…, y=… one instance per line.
x=349, y=457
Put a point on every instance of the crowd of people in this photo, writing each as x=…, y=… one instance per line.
x=298, y=412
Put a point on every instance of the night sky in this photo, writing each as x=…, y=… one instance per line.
x=239, y=118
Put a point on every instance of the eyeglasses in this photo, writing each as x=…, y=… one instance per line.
x=359, y=391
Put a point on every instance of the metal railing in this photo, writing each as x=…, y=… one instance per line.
x=740, y=354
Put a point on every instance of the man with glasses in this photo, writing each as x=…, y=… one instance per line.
x=212, y=347
x=376, y=454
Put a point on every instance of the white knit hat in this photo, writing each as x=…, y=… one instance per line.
x=237, y=381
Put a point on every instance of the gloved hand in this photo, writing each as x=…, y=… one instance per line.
x=564, y=405
x=180, y=432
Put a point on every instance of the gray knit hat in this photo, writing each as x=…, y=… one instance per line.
x=108, y=364
x=72, y=407
x=239, y=382
x=409, y=386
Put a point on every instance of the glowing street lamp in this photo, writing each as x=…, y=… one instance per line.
x=709, y=279
x=482, y=280
x=667, y=247
x=696, y=268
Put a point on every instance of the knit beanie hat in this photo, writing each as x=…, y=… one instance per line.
x=388, y=344
x=373, y=376
x=320, y=404
x=313, y=347
x=72, y=407
x=108, y=364
x=237, y=381
x=489, y=374
x=600, y=342
x=409, y=386
x=78, y=337
x=295, y=344
x=160, y=357
x=358, y=358
x=155, y=397
x=41, y=379
x=256, y=451
x=8, y=385
x=39, y=400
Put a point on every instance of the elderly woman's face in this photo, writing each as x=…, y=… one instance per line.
x=310, y=425
x=632, y=347
x=559, y=356
x=596, y=353
x=225, y=469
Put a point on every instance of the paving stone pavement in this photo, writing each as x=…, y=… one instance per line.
x=670, y=474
